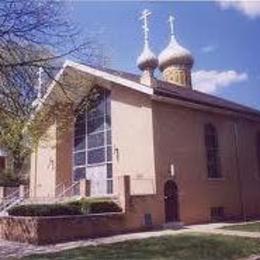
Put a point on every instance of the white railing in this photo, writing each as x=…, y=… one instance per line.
x=13, y=194
x=59, y=189
x=72, y=190
x=12, y=200
x=62, y=193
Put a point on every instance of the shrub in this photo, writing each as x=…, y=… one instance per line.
x=104, y=206
x=87, y=205
x=78, y=207
x=8, y=179
x=44, y=210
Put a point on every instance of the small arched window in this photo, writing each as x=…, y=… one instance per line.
x=258, y=151
x=212, y=151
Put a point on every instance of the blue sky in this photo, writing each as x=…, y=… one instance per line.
x=224, y=39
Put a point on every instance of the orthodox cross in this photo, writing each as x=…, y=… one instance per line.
x=39, y=82
x=171, y=22
x=144, y=17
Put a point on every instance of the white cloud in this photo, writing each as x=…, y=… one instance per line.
x=212, y=80
x=249, y=8
x=208, y=48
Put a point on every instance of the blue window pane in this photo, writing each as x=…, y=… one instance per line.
x=109, y=153
x=108, y=103
x=109, y=171
x=80, y=158
x=97, y=109
x=79, y=143
x=79, y=173
x=96, y=140
x=95, y=125
x=80, y=118
x=109, y=137
x=109, y=186
x=80, y=129
x=96, y=156
x=108, y=122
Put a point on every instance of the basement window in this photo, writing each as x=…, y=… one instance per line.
x=217, y=214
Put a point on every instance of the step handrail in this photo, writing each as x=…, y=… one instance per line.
x=11, y=195
x=68, y=189
x=57, y=187
x=13, y=202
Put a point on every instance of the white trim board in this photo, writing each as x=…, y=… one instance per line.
x=96, y=73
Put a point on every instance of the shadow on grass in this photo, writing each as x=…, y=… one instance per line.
x=192, y=246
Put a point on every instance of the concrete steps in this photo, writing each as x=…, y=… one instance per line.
x=173, y=225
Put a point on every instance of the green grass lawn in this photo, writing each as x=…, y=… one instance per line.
x=251, y=227
x=192, y=246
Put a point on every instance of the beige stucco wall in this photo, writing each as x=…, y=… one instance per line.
x=132, y=141
x=147, y=137
x=64, y=155
x=132, y=138
x=43, y=165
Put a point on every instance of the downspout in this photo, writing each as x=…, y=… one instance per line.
x=240, y=182
x=35, y=170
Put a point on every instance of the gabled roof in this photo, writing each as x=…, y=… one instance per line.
x=163, y=89
x=185, y=94
x=170, y=90
x=107, y=74
x=100, y=73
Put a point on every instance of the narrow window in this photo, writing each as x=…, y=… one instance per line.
x=258, y=152
x=212, y=151
x=217, y=214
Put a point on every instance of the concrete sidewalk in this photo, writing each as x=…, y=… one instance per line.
x=11, y=250
x=215, y=228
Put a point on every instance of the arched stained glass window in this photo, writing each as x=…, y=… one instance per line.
x=212, y=151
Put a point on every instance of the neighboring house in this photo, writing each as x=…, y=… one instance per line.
x=197, y=154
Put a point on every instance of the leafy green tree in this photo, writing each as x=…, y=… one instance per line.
x=33, y=35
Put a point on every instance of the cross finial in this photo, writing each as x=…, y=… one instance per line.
x=39, y=82
x=144, y=17
x=171, y=22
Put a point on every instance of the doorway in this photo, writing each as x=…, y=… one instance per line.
x=171, y=201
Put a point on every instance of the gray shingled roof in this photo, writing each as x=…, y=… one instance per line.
x=169, y=90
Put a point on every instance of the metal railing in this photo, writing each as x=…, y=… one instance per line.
x=12, y=200
x=59, y=189
x=71, y=191
x=62, y=194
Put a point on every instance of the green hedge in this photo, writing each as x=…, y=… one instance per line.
x=44, y=210
x=96, y=205
x=9, y=179
x=77, y=207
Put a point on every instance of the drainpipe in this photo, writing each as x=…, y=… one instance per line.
x=240, y=182
x=35, y=170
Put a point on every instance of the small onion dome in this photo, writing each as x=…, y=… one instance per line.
x=147, y=59
x=175, y=54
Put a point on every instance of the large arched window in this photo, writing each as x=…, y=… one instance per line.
x=212, y=151
x=258, y=151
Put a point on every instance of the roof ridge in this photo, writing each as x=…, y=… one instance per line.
x=188, y=94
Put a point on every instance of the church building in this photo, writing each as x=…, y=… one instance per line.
x=195, y=156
